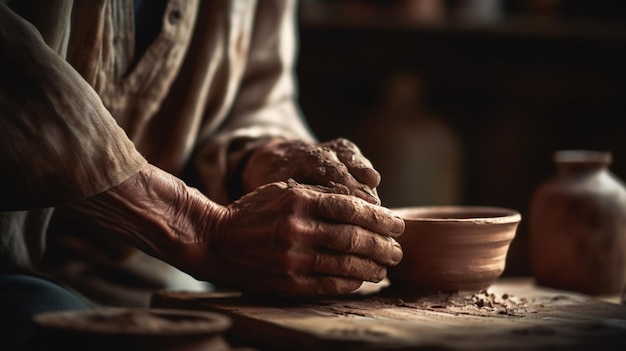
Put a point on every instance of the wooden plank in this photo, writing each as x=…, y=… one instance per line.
x=512, y=314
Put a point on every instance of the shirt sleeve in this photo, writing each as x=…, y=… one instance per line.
x=59, y=143
x=266, y=102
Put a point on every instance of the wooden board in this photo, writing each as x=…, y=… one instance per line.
x=512, y=314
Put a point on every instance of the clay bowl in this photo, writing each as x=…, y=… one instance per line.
x=453, y=248
x=118, y=329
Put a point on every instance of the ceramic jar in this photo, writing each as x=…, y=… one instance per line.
x=577, y=225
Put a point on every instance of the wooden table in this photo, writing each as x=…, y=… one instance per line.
x=513, y=314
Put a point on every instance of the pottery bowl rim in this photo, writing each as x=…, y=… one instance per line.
x=459, y=214
x=453, y=248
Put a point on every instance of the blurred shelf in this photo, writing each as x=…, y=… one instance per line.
x=514, y=89
x=366, y=17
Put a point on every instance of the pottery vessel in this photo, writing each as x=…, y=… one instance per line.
x=134, y=329
x=577, y=225
x=453, y=248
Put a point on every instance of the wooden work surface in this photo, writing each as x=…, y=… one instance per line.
x=512, y=314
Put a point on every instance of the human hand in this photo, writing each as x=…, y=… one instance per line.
x=295, y=239
x=282, y=238
x=336, y=164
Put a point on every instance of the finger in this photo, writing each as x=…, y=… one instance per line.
x=348, y=266
x=356, y=189
x=350, y=239
x=360, y=176
x=328, y=285
x=287, y=283
x=358, y=165
x=367, y=194
x=333, y=172
x=349, y=210
x=319, y=164
x=320, y=284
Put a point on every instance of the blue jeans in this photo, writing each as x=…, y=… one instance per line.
x=21, y=297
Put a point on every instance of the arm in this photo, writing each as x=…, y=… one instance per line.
x=265, y=105
x=59, y=143
x=317, y=243
x=266, y=138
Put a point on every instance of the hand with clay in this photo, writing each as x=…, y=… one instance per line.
x=337, y=164
x=282, y=238
x=305, y=240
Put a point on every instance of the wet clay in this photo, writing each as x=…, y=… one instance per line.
x=483, y=303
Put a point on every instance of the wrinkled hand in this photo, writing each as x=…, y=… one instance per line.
x=282, y=238
x=295, y=239
x=336, y=164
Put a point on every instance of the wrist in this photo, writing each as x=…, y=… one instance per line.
x=242, y=178
x=160, y=215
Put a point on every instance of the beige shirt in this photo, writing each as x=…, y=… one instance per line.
x=79, y=113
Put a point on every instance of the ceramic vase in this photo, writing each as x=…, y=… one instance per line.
x=577, y=225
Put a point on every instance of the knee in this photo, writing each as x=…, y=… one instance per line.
x=23, y=296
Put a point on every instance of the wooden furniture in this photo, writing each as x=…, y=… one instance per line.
x=513, y=314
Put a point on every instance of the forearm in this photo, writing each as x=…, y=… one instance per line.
x=160, y=215
x=59, y=142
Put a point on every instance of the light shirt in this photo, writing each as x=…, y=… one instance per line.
x=79, y=113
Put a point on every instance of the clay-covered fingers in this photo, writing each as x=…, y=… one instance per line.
x=358, y=165
x=355, y=241
x=313, y=285
x=357, y=238
x=348, y=266
x=329, y=164
x=342, y=209
x=289, y=283
x=335, y=174
x=325, y=167
x=302, y=239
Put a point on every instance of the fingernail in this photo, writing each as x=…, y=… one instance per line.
x=398, y=225
x=397, y=254
x=369, y=176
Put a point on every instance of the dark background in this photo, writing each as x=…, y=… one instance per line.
x=510, y=86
